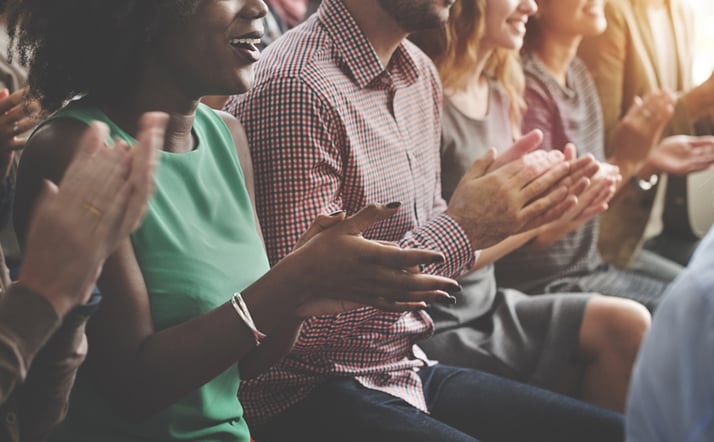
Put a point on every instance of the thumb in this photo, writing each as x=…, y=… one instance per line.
x=570, y=152
x=527, y=143
x=365, y=218
x=482, y=165
x=48, y=191
x=321, y=223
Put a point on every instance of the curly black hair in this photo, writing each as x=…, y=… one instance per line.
x=76, y=47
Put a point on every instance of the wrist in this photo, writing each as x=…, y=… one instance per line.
x=698, y=101
x=61, y=304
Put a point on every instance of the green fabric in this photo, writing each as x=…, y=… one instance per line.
x=197, y=245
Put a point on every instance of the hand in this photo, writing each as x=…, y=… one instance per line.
x=517, y=191
x=641, y=128
x=100, y=200
x=16, y=117
x=699, y=100
x=683, y=154
x=593, y=200
x=336, y=269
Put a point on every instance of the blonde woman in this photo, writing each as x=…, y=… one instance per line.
x=582, y=344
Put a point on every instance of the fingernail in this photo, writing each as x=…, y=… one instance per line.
x=393, y=205
x=336, y=212
x=448, y=300
x=455, y=288
x=438, y=259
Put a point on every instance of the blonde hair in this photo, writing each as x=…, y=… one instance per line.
x=454, y=50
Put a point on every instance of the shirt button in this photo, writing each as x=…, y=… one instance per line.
x=11, y=418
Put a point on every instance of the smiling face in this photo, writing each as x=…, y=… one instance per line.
x=505, y=23
x=417, y=15
x=212, y=52
x=582, y=18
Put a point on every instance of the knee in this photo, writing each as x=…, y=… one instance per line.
x=614, y=325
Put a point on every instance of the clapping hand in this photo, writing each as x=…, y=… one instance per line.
x=344, y=271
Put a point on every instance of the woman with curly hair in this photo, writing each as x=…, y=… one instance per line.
x=581, y=344
x=190, y=299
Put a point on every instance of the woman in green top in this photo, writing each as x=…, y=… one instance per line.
x=165, y=342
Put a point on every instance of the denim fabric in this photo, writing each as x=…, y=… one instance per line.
x=465, y=405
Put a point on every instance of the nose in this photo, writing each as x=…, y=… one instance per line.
x=528, y=7
x=254, y=9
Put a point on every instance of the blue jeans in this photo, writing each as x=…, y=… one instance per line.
x=465, y=405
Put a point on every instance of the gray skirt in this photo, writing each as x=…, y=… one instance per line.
x=532, y=339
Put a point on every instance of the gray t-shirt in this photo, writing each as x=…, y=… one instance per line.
x=463, y=140
x=570, y=114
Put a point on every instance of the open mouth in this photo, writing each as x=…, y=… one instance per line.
x=247, y=46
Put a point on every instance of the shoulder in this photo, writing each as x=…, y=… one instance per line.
x=235, y=128
x=303, y=53
x=52, y=146
x=536, y=82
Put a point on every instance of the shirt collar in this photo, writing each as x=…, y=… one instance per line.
x=357, y=53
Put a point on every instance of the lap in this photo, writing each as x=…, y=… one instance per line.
x=527, y=338
x=465, y=405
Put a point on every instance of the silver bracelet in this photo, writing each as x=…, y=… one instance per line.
x=242, y=310
x=645, y=185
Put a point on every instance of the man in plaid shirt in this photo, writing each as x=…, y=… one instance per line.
x=331, y=128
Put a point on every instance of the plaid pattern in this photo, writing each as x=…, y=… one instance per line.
x=330, y=128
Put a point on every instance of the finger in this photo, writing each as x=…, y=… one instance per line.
x=321, y=223
x=582, y=185
x=585, y=166
x=527, y=143
x=23, y=125
x=17, y=143
x=702, y=141
x=367, y=217
x=395, y=306
x=481, y=166
x=570, y=152
x=89, y=143
x=548, y=208
x=544, y=183
x=145, y=156
x=11, y=100
x=397, y=257
x=389, y=281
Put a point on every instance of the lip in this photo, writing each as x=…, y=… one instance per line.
x=245, y=47
x=518, y=24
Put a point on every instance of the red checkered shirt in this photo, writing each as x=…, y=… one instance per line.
x=330, y=128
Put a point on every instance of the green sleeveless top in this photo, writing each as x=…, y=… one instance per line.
x=197, y=245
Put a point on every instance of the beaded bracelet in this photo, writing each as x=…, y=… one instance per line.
x=242, y=310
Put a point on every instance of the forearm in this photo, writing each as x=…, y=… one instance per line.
x=26, y=323
x=493, y=254
x=45, y=395
x=152, y=372
x=552, y=233
x=271, y=350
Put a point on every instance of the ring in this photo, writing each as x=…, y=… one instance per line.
x=92, y=209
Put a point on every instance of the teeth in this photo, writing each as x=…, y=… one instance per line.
x=245, y=41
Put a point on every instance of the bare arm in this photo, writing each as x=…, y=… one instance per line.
x=142, y=362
